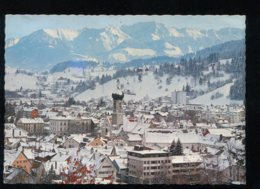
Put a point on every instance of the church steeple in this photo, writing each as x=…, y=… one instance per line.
x=117, y=115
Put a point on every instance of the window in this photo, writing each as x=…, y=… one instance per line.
x=107, y=166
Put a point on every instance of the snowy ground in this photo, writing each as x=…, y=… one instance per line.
x=16, y=81
x=206, y=98
x=77, y=74
x=149, y=86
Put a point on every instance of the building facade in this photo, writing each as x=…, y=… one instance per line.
x=81, y=125
x=179, y=97
x=145, y=165
x=32, y=126
x=186, y=169
x=59, y=125
x=71, y=125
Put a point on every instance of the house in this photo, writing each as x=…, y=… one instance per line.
x=99, y=141
x=32, y=125
x=11, y=131
x=12, y=143
x=134, y=139
x=121, y=169
x=24, y=162
x=103, y=166
x=71, y=143
x=13, y=136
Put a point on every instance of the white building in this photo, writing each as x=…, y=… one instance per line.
x=179, y=97
x=144, y=165
x=59, y=125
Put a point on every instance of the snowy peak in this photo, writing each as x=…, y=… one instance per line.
x=11, y=42
x=194, y=33
x=174, y=32
x=63, y=34
x=112, y=36
x=113, y=43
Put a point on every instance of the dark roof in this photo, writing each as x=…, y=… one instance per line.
x=116, y=96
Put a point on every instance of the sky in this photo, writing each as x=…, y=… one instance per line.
x=22, y=25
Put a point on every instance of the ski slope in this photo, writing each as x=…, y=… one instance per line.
x=206, y=98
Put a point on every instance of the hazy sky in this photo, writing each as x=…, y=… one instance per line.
x=21, y=25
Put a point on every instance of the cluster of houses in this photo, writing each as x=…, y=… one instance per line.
x=126, y=143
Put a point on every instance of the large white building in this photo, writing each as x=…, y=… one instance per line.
x=71, y=125
x=179, y=97
x=59, y=125
x=152, y=166
x=144, y=165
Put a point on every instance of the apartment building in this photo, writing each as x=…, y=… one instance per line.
x=145, y=164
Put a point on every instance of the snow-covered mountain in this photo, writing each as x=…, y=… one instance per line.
x=11, y=42
x=44, y=48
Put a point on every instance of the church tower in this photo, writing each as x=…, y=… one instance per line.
x=117, y=115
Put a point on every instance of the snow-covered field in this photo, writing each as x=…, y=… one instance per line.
x=16, y=81
x=206, y=98
x=149, y=86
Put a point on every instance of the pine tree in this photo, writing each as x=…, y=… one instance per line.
x=187, y=88
x=179, y=150
x=173, y=147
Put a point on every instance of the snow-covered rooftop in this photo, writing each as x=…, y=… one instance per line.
x=31, y=120
x=186, y=159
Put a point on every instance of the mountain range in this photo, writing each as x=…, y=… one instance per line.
x=44, y=48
